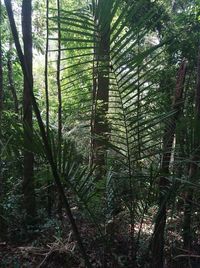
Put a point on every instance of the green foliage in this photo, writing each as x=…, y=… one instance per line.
x=147, y=42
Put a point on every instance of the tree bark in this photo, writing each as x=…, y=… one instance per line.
x=193, y=169
x=50, y=187
x=59, y=105
x=46, y=67
x=3, y=227
x=59, y=90
x=100, y=126
x=159, y=229
x=1, y=80
x=1, y=67
x=100, y=94
x=28, y=180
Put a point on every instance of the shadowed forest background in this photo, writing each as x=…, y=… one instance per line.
x=100, y=133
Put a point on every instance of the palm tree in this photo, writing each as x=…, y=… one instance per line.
x=110, y=70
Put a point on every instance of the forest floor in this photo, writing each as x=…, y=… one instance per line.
x=53, y=246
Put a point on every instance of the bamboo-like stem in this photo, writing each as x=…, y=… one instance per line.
x=59, y=90
x=46, y=67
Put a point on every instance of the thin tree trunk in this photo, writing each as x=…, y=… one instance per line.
x=28, y=180
x=1, y=67
x=46, y=68
x=2, y=219
x=94, y=88
x=50, y=188
x=47, y=146
x=1, y=92
x=159, y=229
x=193, y=169
x=59, y=105
x=59, y=90
x=187, y=234
x=10, y=79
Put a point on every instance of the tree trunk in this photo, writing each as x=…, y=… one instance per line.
x=50, y=186
x=28, y=181
x=100, y=94
x=100, y=126
x=3, y=226
x=46, y=68
x=193, y=169
x=59, y=90
x=159, y=229
x=59, y=105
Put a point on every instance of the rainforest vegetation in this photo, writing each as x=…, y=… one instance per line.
x=100, y=133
